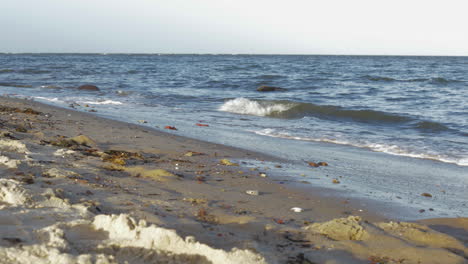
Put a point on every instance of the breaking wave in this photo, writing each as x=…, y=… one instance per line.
x=292, y=110
x=257, y=108
x=105, y=102
x=377, y=147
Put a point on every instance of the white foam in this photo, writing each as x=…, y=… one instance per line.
x=249, y=107
x=12, y=193
x=13, y=145
x=385, y=148
x=47, y=99
x=63, y=152
x=105, y=102
x=9, y=163
x=124, y=231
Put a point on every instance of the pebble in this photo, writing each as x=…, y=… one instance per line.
x=297, y=209
x=252, y=192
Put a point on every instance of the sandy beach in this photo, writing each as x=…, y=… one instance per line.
x=77, y=188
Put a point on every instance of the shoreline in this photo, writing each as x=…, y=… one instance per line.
x=198, y=196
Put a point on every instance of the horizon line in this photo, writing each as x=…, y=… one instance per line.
x=225, y=54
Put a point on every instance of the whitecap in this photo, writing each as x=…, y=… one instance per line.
x=250, y=107
x=47, y=99
x=105, y=102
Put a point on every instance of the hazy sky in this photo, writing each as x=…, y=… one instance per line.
x=405, y=27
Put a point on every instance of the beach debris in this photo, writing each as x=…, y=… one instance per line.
x=265, y=88
x=170, y=127
x=278, y=221
x=120, y=157
x=336, y=181
x=21, y=129
x=313, y=164
x=201, y=125
x=278, y=166
x=262, y=174
x=195, y=201
x=83, y=140
x=317, y=164
x=426, y=195
x=142, y=121
x=203, y=216
x=253, y=192
x=156, y=174
x=113, y=167
x=200, y=179
x=349, y=228
x=297, y=209
x=228, y=162
x=88, y=87
x=193, y=153
x=28, y=111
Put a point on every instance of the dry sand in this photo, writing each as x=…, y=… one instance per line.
x=76, y=188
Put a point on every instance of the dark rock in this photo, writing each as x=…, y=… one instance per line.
x=265, y=88
x=88, y=87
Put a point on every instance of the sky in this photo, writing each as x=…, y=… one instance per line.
x=359, y=27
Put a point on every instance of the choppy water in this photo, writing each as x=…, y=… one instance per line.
x=409, y=106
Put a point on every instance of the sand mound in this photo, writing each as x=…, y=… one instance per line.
x=421, y=235
x=341, y=229
x=386, y=242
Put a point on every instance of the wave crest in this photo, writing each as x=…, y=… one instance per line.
x=250, y=107
x=291, y=110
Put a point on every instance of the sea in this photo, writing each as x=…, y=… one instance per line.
x=379, y=121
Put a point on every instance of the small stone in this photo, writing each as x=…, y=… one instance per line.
x=253, y=192
x=426, y=195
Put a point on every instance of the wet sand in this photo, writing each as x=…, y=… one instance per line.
x=84, y=189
